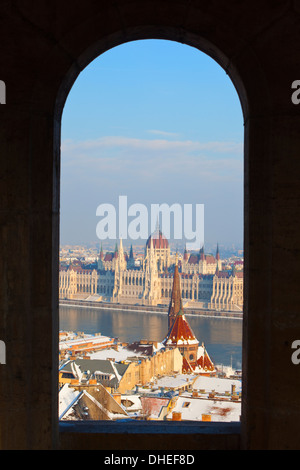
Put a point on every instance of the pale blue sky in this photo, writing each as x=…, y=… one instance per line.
x=159, y=122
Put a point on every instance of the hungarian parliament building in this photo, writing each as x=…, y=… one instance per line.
x=117, y=278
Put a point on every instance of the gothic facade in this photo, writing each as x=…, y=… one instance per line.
x=117, y=279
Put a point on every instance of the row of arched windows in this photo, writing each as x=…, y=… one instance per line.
x=131, y=280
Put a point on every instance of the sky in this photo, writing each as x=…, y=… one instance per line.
x=160, y=123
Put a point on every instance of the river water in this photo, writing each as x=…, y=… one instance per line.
x=222, y=337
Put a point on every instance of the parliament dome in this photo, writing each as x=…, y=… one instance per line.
x=158, y=239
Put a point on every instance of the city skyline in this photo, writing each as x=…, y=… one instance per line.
x=171, y=132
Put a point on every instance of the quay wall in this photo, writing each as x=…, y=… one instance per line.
x=149, y=308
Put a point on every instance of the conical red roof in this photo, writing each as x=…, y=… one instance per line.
x=181, y=333
x=186, y=366
x=204, y=362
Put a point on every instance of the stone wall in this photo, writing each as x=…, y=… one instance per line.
x=43, y=47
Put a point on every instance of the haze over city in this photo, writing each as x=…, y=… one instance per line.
x=159, y=122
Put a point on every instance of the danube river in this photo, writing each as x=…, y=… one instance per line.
x=222, y=336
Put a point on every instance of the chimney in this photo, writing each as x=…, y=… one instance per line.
x=117, y=397
x=176, y=416
x=206, y=418
x=234, y=395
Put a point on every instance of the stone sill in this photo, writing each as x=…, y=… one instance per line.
x=149, y=427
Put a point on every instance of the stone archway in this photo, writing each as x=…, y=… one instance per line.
x=43, y=48
x=154, y=32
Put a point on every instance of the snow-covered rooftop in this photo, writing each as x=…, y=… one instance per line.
x=193, y=409
x=121, y=353
x=69, y=340
x=175, y=381
x=219, y=385
x=66, y=398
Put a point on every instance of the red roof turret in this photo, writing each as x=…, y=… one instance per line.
x=181, y=333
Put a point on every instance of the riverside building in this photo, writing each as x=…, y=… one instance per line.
x=116, y=278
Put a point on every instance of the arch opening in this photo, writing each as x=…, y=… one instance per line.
x=190, y=270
